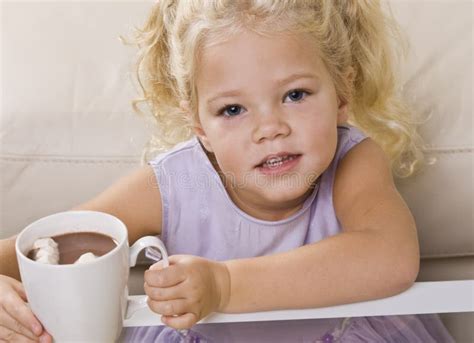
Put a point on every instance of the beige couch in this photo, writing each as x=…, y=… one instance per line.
x=68, y=130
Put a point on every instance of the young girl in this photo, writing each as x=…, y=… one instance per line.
x=276, y=197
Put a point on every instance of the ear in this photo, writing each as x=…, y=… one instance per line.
x=196, y=125
x=343, y=105
x=342, y=112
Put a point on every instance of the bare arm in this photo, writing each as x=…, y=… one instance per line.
x=8, y=262
x=375, y=256
x=135, y=199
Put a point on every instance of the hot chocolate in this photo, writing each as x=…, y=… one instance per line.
x=72, y=245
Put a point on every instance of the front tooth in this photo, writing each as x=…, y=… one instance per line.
x=274, y=163
x=275, y=159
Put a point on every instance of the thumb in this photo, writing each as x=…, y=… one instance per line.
x=157, y=266
x=173, y=259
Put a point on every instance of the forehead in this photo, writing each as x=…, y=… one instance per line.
x=250, y=56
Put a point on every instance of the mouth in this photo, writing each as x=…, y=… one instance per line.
x=274, y=161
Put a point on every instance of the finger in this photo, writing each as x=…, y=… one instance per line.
x=19, y=311
x=7, y=335
x=170, y=307
x=13, y=325
x=165, y=293
x=18, y=287
x=184, y=321
x=167, y=277
x=46, y=338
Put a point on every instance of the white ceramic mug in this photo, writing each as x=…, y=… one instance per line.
x=81, y=302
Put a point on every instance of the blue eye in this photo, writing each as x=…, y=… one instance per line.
x=230, y=110
x=297, y=94
x=233, y=110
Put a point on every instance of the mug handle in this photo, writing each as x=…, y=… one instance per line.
x=144, y=242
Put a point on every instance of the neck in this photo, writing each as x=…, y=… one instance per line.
x=264, y=210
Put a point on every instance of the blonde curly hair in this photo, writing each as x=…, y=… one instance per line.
x=351, y=35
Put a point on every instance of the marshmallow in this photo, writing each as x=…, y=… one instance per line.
x=86, y=258
x=46, y=251
x=47, y=259
x=45, y=242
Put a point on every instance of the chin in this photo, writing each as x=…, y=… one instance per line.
x=286, y=194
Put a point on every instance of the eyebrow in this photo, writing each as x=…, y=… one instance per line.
x=280, y=83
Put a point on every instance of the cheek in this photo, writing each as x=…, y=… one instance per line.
x=228, y=153
x=213, y=134
x=324, y=144
x=230, y=159
x=330, y=148
x=227, y=144
x=322, y=126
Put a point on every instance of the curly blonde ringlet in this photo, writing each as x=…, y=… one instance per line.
x=359, y=42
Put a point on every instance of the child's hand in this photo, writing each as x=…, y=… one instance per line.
x=188, y=290
x=17, y=322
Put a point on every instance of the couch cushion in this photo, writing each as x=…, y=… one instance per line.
x=68, y=130
x=438, y=82
x=67, y=126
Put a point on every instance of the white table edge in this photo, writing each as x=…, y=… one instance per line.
x=421, y=298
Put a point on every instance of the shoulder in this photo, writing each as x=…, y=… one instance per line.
x=174, y=164
x=347, y=137
x=179, y=169
x=364, y=185
x=180, y=151
x=365, y=158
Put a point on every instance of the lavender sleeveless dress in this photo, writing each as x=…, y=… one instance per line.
x=199, y=218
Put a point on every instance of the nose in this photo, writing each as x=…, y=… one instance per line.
x=270, y=126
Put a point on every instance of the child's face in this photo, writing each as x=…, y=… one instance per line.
x=266, y=116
